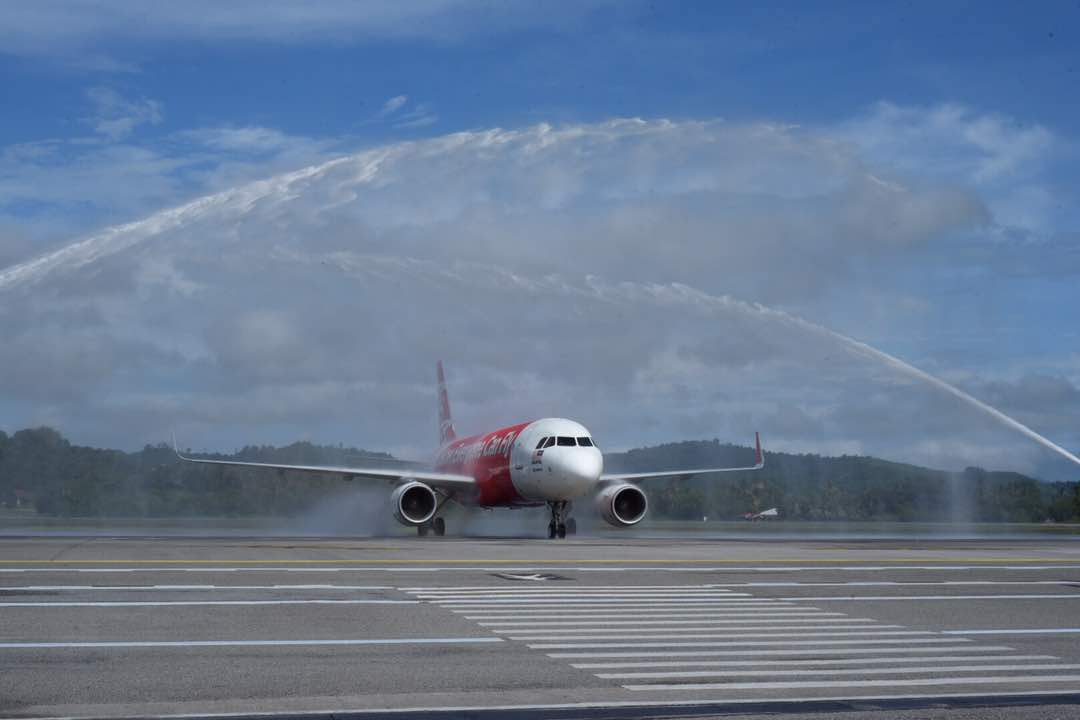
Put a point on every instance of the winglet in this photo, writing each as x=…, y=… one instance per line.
x=175, y=447
x=759, y=456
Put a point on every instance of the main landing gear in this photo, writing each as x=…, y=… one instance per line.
x=560, y=525
x=438, y=526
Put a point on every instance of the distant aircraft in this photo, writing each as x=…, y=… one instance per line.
x=770, y=514
x=550, y=461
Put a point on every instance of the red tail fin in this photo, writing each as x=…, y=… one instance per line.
x=446, y=423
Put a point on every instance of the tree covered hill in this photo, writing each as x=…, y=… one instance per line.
x=58, y=478
x=813, y=487
x=40, y=470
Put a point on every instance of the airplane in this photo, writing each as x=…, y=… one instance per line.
x=770, y=514
x=552, y=461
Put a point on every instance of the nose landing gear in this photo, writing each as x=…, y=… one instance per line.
x=560, y=525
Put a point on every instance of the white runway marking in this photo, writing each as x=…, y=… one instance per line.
x=663, y=618
x=1011, y=631
x=593, y=610
x=892, y=682
x=572, y=623
x=552, y=568
x=584, y=599
x=805, y=663
x=710, y=634
x=584, y=592
x=887, y=583
x=860, y=598
x=795, y=612
x=746, y=610
x=679, y=625
x=794, y=702
x=595, y=597
x=770, y=653
x=170, y=603
x=112, y=588
x=741, y=643
x=757, y=630
x=587, y=603
x=830, y=671
x=583, y=589
x=556, y=588
x=608, y=608
x=247, y=643
x=806, y=646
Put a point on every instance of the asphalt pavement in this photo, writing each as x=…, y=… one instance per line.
x=110, y=627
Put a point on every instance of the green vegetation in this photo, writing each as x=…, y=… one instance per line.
x=42, y=472
x=848, y=488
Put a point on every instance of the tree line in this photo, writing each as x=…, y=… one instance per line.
x=813, y=487
x=41, y=471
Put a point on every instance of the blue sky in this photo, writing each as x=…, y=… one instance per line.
x=807, y=63
x=114, y=111
x=464, y=66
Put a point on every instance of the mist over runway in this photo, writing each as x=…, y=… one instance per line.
x=580, y=628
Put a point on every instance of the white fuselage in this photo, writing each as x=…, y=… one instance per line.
x=559, y=470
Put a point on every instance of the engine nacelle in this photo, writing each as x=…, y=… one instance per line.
x=622, y=505
x=414, y=503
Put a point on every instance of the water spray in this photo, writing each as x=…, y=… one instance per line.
x=898, y=364
x=686, y=294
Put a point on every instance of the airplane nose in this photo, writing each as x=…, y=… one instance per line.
x=582, y=466
x=573, y=471
x=589, y=465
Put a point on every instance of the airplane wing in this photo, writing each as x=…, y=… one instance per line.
x=444, y=481
x=759, y=462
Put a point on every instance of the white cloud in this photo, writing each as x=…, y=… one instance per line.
x=951, y=141
x=396, y=111
x=70, y=29
x=393, y=104
x=251, y=139
x=1001, y=156
x=705, y=202
x=55, y=188
x=586, y=270
x=419, y=116
x=115, y=117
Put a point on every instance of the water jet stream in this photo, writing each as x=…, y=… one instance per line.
x=911, y=370
x=727, y=302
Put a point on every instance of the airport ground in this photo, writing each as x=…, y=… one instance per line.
x=101, y=626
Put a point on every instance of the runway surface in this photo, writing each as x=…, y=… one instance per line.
x=95, y=627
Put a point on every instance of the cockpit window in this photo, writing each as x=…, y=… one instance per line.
x=584, y=442
x=550, y=442
x=541, y=443
x=566, y=441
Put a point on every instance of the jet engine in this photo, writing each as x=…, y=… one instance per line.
x=414, y=503
x=622, y=505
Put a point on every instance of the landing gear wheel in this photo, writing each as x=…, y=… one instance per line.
x=571, y=526
x=439, y=526
x=421, y=530
x=557, y=526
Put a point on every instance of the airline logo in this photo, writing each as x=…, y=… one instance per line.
x=486, y=446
